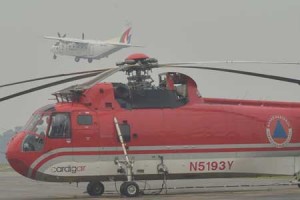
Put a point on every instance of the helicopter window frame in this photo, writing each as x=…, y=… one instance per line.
x=37, y=127
x=85, y=119
x=61, y=134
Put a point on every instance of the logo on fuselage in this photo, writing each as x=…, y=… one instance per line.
x=279, y=131
x=68, y=169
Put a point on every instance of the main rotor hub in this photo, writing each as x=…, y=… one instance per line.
x=137, y=56
x=137, y=70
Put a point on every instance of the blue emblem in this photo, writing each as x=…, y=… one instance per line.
x=279, y=131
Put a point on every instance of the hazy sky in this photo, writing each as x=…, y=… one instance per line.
x=170, y=30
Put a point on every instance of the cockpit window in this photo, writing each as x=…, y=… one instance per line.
x=37, y=128
x=30, y=125
x=37, y=124
x=60, y=126
x=42, y=125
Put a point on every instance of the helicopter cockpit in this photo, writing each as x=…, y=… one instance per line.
x=36, y=127
x=44, y=124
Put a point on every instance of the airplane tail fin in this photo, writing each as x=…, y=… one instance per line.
x=126, y=36
x=124, y=40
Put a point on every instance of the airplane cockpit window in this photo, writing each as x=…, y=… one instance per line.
x=60, y=126
x=37, y=128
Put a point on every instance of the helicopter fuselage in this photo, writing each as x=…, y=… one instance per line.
x=177, y=134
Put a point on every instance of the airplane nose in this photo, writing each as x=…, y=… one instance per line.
x=14, y=155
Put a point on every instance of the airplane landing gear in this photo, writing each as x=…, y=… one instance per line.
x=54, y=56
x=95, y=188
x=90, y=60
x=129, y=189
x=77, y=59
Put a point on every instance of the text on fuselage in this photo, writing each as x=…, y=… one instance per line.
x=211, y=165
x=68, y=169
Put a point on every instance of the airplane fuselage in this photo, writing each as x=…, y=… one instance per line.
x=85, y=50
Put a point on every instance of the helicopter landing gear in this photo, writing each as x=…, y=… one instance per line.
x=90, y=60
x=129, y=189
x=54, y=56
x=297, y=178
x=95, y=188
x=77, y=59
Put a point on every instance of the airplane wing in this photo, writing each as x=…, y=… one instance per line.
x=68, y=39
x=52, y=38
x=90, y=41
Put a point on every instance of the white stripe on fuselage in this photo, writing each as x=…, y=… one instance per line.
x=184, y=165
x=151, y=148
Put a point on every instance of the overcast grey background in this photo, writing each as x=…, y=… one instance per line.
x=170, y=30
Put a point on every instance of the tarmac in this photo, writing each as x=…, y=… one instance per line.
x=15, y=186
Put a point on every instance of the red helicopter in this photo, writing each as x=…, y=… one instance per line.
x=99, y=132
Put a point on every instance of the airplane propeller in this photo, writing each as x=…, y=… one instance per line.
x=105, y=73
x=58, y=34
x=58, y=42
x=82, y=36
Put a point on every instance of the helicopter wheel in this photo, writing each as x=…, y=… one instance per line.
x=54, y=56
x=77, y=59
x=95, y=188
x=90, y=60
x=129, y=189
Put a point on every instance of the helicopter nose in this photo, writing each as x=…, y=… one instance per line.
x=14, y=155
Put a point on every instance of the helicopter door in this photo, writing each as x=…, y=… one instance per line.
x=59, y=133
x=85, y=136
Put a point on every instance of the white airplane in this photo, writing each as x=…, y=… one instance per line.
x=89, y=49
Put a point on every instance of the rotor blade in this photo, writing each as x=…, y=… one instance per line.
x=48, y=85
x=234, y=62
x=278, y=78
x=58, y=34
x=102, y=76
x=52, y=76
